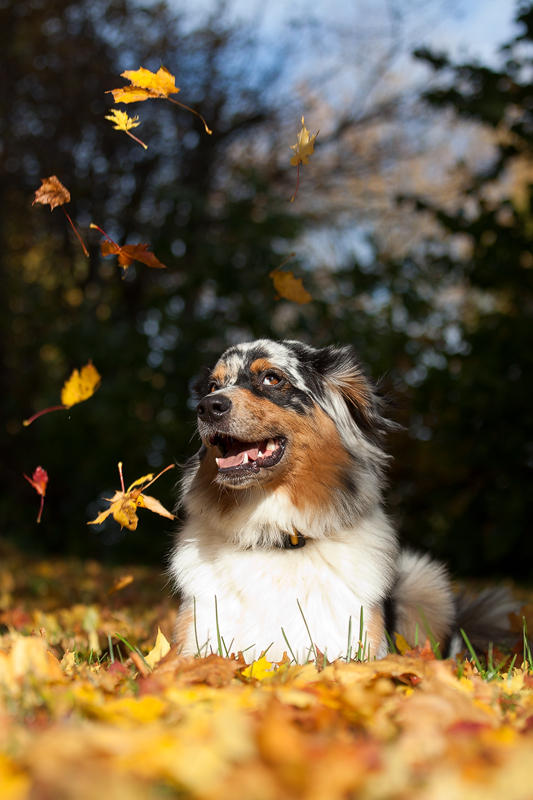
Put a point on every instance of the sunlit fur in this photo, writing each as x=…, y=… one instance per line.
x=230, y=563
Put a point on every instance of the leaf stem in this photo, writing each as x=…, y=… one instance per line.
x=76, y=232
x=41, y=508
x=27, y=422
x=109, y=239
x=137, y=140
x=297, y=180
x=177, y=103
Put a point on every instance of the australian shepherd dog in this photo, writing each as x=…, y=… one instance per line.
x=285, y=543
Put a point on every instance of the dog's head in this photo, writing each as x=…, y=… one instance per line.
x=273, y=413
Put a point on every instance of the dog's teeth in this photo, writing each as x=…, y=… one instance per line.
x=260, y=454
x=245, y=459
x=271, y=445
x=218, y=461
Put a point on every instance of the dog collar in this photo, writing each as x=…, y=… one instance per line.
x=294, y=540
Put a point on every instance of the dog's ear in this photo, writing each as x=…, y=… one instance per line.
x=343, y=373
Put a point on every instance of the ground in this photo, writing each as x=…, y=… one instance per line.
x=84, y=716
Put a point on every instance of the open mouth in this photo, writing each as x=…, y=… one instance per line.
x=239, y=456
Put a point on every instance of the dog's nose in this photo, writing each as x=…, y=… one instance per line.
x=212, y=407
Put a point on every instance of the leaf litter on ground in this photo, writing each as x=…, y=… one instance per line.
x=80, y=717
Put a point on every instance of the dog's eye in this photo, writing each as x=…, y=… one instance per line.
x=271, y=379
x=212, y=387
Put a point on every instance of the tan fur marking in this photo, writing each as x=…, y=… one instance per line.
x=354, y=388
x=219, y=375
x=184, y=623
x=261, y=365
x=376, y=630
x=315, y=460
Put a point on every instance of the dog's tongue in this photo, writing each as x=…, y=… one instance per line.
x=238, y=450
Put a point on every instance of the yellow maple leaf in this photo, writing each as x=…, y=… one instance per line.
x=146, y=85
x=79, y=387
x=290, y=288
x=124, y=123
x=124, y=504
x=159, y=651
x=304, y=147
x=259, y=669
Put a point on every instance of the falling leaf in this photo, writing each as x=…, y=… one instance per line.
x=53, y=193
x=39, y=481
x=124, y=504
x=303, y=148
x=121, y=583
x=125, y=123
x=79, y=387
x=146, y=85
x=161, y=648
x=128, y=253
x=290, y=288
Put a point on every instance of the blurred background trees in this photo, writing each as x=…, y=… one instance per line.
x=412, y=230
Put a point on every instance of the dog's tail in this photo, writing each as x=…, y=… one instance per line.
x=423, y=598
x=484, y=618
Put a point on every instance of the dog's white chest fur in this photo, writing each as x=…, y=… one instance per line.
x=260, y=591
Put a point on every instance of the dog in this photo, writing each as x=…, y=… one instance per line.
x=285, y=543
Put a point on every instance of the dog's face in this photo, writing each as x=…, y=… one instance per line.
x=270, y=411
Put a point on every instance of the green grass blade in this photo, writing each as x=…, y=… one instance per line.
x=391, y=643
x=472, y=652
x=218, y=630
x=198, y=654
x=110, y=645
x=433, y=642
x=349, y=647
x=288, y=645
x=308, y=631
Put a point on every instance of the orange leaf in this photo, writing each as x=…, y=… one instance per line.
x=121, y=583
x=52, y=192
x=129, y=253
x=290, y=288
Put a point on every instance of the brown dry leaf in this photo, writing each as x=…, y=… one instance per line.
x=212, y=670
x=52, y=192
x=129, y=253
x=290, y=288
